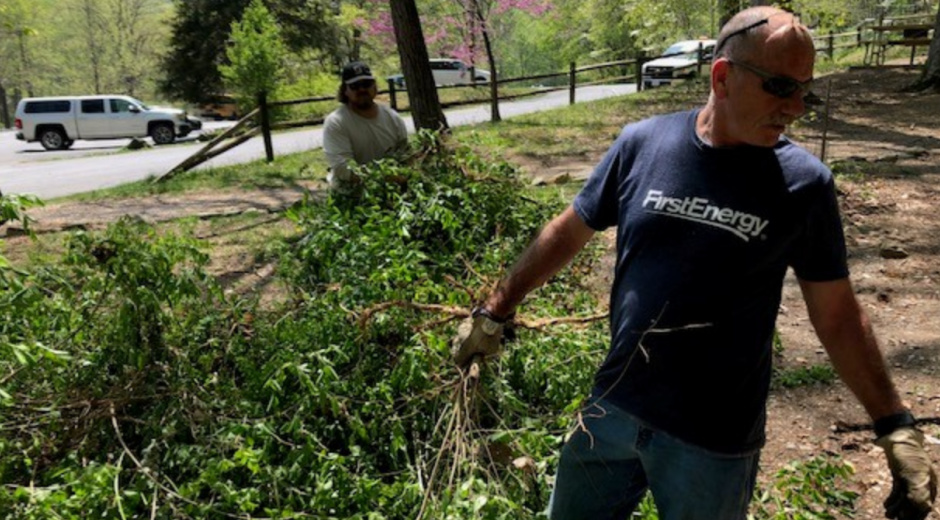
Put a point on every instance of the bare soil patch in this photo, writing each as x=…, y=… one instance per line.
x=883, y=146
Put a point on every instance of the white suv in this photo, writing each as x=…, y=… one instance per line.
x=456, y=72
x=680, y=60
x=56, y=122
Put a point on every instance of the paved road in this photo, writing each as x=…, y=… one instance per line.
x=92, y=165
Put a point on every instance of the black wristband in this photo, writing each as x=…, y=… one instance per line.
x=486, y=313
x=889, y=423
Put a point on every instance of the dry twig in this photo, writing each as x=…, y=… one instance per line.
x=461, y=312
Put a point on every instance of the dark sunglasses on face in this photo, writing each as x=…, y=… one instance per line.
x=361, y=85
x=780, y=86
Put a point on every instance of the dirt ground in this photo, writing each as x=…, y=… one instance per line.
x=883, y=145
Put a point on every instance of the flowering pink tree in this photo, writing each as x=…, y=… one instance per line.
x=453, y=29
x=471, y=25
x=463, y=29
x=458, y=28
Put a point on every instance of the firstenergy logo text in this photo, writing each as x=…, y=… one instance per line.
x=697, y=209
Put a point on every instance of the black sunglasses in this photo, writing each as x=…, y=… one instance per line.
x=361, y=85
x=779, y=86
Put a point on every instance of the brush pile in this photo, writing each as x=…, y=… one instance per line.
x=132, y=386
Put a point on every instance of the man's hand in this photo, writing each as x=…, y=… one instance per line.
x=479, y=334
x=915, y=482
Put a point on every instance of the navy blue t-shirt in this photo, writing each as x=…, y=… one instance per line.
x=704, y=238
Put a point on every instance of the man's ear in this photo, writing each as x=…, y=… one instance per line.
x=720, y=70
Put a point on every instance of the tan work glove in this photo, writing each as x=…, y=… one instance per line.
x=481, y=334
x=915, y=482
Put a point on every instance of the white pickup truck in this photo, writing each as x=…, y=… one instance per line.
x=57, y=122
x=680, y=60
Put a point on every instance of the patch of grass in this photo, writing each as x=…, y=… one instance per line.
x=286, y=170
x=811, y=489
x=580, y=130
x=803, y=376
x=849, y=170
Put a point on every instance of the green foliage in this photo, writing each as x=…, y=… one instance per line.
x=201, y=33
x=200, y=30
x=81, y=47
x=255, y=56
x=12, y=208
x=116, y=338
x=809, y=490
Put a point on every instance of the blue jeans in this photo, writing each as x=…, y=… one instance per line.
x=604, y=474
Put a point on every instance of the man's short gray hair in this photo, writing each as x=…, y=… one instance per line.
x=744, y=31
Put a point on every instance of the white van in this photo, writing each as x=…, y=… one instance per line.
x=56, y=122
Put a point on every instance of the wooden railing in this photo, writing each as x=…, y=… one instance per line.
x=879, y=34
x=258, y=121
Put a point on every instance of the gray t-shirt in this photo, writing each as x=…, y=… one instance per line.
x=347, y=136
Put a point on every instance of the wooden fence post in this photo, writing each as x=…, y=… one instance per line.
x=571, y=83
x=640, y=58
x=392, y=101
x=266, y=125
x=832, y=44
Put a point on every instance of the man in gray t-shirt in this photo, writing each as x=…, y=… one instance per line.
x=361, y=130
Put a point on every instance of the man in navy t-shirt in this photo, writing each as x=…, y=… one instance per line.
x=711, y=208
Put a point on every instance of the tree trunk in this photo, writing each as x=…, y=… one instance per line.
x=4, y=107
x=92, y=40
x=422, y=93
x=355, y=50
x=494, y=92
x=931, y=76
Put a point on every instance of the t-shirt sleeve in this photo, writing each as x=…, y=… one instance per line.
x=336, y=143
x=819, y=254
x=598, y=201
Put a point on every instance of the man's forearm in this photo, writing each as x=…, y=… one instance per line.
x=846, y=333
x=552, y=249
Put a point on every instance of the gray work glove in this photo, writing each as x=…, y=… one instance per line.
x=480, y=334
x=915, y=482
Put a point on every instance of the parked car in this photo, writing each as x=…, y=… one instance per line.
x=56, y=122
x=456, y=72
x=679, y=60
x=219, y=107
x=447, y=72
x=398, y=80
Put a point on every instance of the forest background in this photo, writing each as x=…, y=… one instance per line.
x=163, y=51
